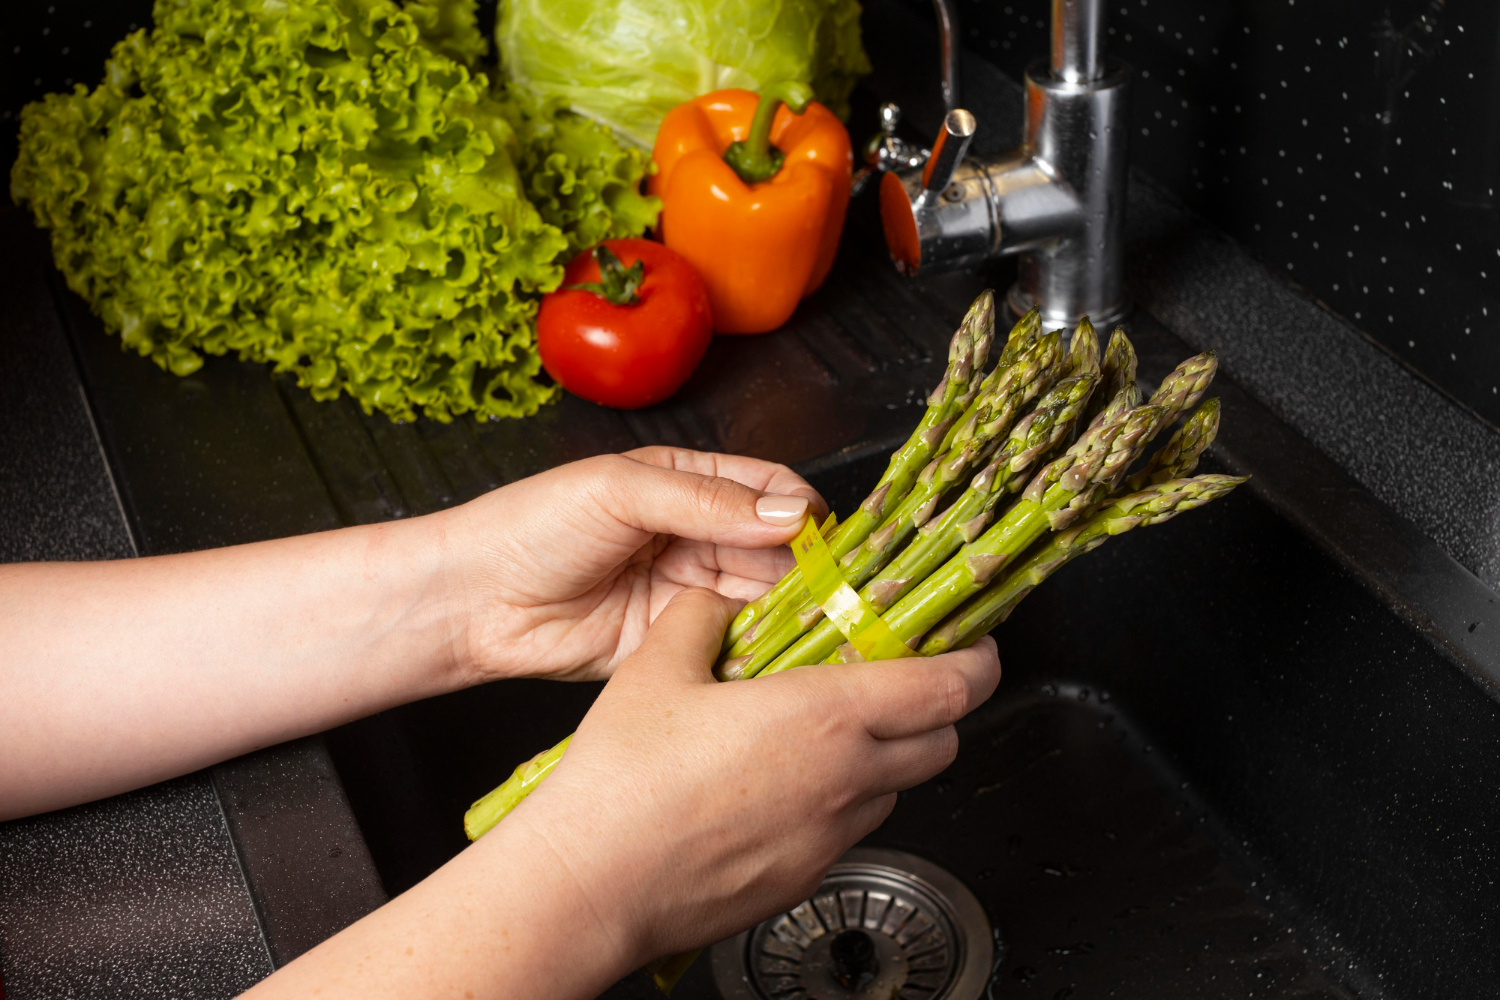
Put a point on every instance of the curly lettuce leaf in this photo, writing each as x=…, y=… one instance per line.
x=331, y=186
x=579, y=176
x=626, y=63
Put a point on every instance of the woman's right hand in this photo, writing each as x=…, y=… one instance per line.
x=684, y=811
x=689, y=810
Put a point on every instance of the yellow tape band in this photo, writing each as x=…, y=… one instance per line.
x=850, y=613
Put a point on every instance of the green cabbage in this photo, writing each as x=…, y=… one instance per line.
x=332, y=186
x=626, y=63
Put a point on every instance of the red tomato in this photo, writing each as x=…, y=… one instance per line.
x=626, y=356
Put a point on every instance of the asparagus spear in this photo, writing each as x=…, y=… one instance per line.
x=1083, y=351
x=1040, y=431
x=1032, y=372
x=967, y=353
x=781, y=626
x=491, y=809
x=1090, y=469
x=1118, y=368
x=991, y=606
x=1182, y=389
x=1056, y=497
x=1173, y=461
x=1179, y=456
x=1127, y=395
x=1022, y=336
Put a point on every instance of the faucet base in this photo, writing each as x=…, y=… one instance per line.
x=1020, y=302
x=1079, y=133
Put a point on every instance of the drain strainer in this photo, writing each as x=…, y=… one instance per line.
x=883, y=925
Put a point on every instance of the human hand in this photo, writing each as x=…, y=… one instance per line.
x=561, y=574
x=686, y=810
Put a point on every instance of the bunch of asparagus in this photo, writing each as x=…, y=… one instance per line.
x=939, y=549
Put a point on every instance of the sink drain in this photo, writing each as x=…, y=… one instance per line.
x=883, y=925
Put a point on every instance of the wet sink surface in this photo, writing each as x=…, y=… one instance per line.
x=1217, y=767
x=1097, y=882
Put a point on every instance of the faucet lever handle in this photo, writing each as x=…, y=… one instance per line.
x=950, y=149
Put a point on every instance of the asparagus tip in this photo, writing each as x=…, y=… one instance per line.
x=983, y=326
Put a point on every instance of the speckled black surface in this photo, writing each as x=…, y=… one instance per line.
x=1412, y=446
x=307, y=866
x=140, y=895
x=135, y=896
x=1352, y=145
x=56, y=500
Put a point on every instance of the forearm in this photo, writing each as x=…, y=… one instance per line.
x=123, y=673
x=505, y=920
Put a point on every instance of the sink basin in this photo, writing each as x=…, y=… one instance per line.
x=1218, y=765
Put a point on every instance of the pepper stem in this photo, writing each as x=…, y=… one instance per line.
x=754, y=158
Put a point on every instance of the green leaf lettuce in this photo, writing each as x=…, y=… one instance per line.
x=331, y=186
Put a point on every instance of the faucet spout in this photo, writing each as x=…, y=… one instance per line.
x=1077, y=40
x=947, y=19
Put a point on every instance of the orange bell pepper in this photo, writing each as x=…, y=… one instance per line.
x=763, y=233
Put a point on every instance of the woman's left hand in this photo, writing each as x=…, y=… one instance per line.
x=559, y=575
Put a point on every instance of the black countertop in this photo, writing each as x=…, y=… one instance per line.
x=200, y=886
x=142, y=894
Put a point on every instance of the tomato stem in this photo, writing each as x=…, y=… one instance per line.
x=617, y=283
x=754, y=158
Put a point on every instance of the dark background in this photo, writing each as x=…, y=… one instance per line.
x=1353, y=145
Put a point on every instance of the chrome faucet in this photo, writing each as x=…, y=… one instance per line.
x=1058, y=200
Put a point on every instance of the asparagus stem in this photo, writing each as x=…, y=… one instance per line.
x=976, y=438
x=991, y=606
x=484, y=814
x=1090, y=469
x=967, y=353
x=1179, y=456
x=1118, y=368
x=1036, y=434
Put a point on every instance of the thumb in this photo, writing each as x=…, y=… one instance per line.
x=684, y=641
x=704, y=508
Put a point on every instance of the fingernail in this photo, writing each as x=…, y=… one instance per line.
x=783, y=512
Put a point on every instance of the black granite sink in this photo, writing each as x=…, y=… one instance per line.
x=1218, y=764
x=1252, y=752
